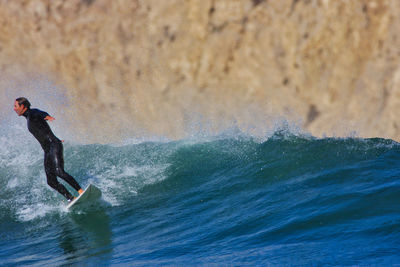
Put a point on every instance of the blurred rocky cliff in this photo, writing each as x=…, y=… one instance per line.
x=164, y=67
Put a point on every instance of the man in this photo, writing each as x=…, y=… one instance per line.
x=52, y=146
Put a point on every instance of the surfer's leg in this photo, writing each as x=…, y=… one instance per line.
x=58, y=159
x=52, y=179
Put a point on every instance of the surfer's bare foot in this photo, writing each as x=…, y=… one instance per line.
x=80, y=191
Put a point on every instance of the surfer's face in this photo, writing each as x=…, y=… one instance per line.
x=19, y=109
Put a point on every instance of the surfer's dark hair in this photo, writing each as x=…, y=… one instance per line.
x=23, y=101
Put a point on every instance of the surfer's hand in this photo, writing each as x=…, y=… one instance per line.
x=49, y=118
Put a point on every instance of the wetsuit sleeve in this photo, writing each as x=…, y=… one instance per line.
x=41, y=114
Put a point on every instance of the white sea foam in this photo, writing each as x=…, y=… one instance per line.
x=22, y=173
x=29, y=212
x=17, y=147
x=120, y=182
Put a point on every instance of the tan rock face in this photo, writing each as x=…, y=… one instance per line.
x=165, y=67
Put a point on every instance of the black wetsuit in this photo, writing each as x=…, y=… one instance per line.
x=53, y=151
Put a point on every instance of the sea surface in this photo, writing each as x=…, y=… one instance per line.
x=229, y=200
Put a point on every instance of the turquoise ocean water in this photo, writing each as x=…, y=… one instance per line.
x=236, y=200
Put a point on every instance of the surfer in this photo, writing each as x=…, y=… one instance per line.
x=52, y=146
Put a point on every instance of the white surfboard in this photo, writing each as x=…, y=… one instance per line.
x=90, y=194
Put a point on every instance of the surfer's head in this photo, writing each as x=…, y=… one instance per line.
x=21, y=105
